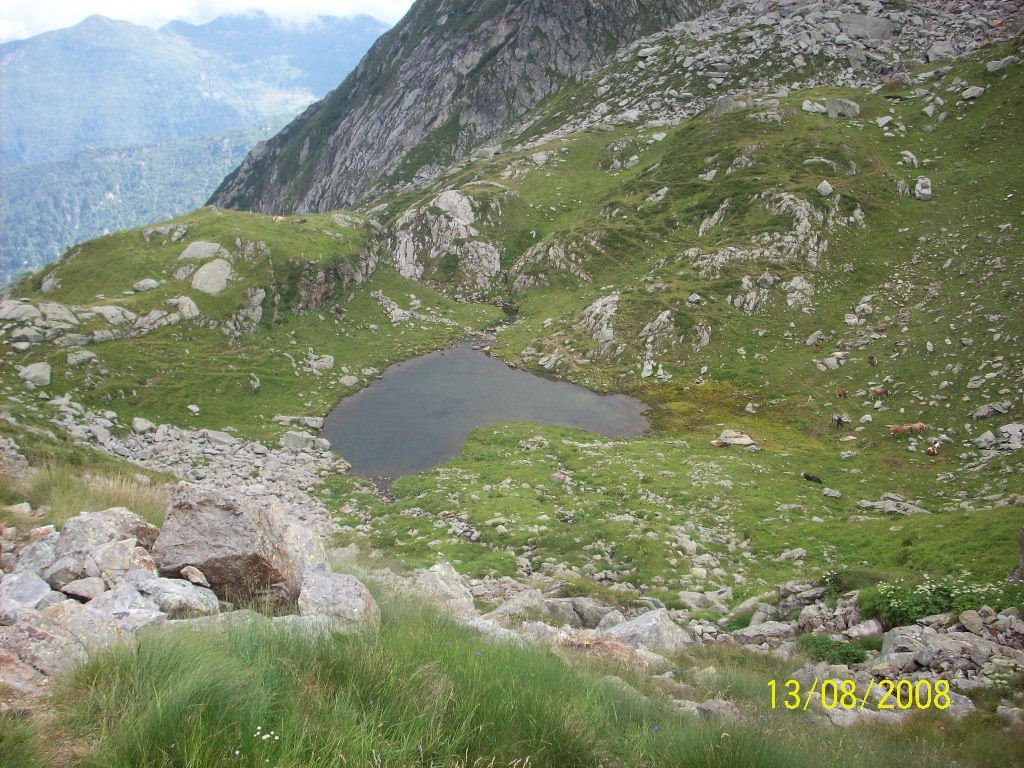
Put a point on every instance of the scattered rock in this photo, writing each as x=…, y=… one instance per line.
x=303, y=441
x=340, y=597
x=36, y=374
x=212, y=277
x=142, y=426
x=442, y=585
x=653, y=630
x=731, y=437
x=923, y=188
x=201, y=251
x=837, y=108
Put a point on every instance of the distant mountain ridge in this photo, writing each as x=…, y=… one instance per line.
x=76, y=99
x=322, y=50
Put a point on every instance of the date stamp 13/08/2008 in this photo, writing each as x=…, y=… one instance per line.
x=844, y=694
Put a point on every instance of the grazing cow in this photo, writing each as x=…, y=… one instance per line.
x=812, y=478
x=918, y=426
x=279, y=219
x=880, y=391
x=872, y=361
x=842, y=394
x=934, y=448
x=899, y=429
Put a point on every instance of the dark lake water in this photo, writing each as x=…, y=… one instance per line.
x=420, y=412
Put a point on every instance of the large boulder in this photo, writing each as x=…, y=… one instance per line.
x=529, y=603
x=41, y=643
x=87, y=531
x=25, y=589
x=36, y=374
x=726, y=104
x=654, y=631
x=303, y=441
x=732, y=437
x=115, y=560
x=90, y=627
x=18, y=311
x=212, y=277
x=244, y=549
x=107, y=544
x=923, y=188
x=339, y=597
x=766, y=632
x=203, y=250
x=443, y=586
x=837, y=108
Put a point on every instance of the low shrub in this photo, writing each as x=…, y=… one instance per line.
x=821, y=648
x=739, y=621
x=897, y=603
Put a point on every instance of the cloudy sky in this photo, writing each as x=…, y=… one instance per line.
x=24, y=18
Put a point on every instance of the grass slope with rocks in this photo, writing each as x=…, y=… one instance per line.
x=695, y=263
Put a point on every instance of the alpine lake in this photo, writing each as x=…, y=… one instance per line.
x=419, y=413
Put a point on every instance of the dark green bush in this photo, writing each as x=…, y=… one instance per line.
x=821, y=648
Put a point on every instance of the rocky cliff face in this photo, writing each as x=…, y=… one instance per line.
x=449, y=77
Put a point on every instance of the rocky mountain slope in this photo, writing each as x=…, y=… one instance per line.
x=444, y=81
x=195, y=99
x=792, y=229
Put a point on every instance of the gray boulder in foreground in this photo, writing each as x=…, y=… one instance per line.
x=244, y=549
x=339, y=597
x=443, y=586
x=653, y=630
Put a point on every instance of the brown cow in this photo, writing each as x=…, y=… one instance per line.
x=842, y=394
x=899, y=429
x=918, y=426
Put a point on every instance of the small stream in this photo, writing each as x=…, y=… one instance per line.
x=420, y=412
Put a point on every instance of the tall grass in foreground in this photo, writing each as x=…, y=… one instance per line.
x=424, y=692
x=66, y=491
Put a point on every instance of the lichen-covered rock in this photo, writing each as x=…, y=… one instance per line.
x=85, y=532
x=212, y=277
x=202, y=250
x=442, y=585
x=842, y=108
x=654, y=631
x=25, y=589
x=35, y=375
x=339, y=597
x=178, y=598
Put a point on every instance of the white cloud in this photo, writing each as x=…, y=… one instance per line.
x=23, y=18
